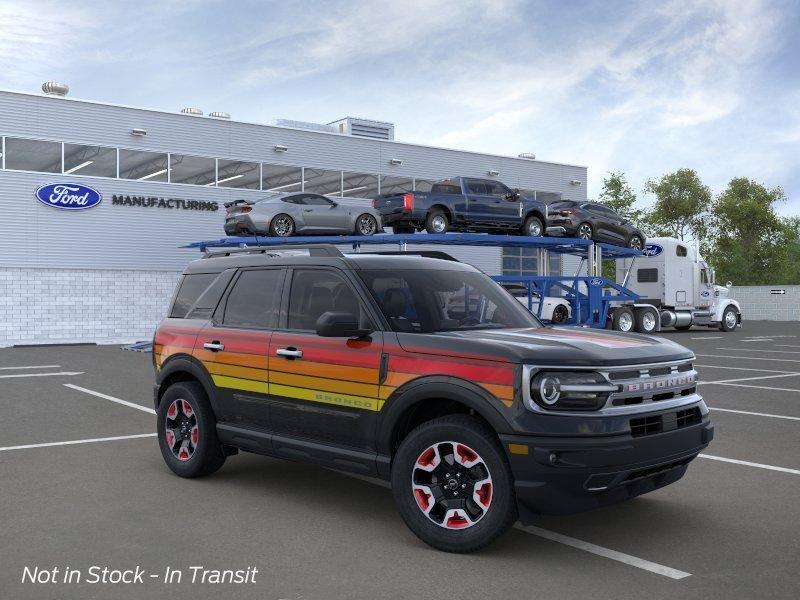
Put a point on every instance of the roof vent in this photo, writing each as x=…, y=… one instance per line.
x=377, y=130
x=219, y=115
x=527, y=155
x=302, y=125
x=51, y=88
x=192, y=111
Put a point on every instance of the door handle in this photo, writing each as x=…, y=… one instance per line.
x=214, y=346
x=289, y=353
x=308, y=210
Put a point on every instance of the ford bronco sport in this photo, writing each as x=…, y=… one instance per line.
x=420, y=371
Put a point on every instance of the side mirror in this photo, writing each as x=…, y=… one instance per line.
x=340, y=324
x=513, y=195
x=334, y=204
x=729, y=284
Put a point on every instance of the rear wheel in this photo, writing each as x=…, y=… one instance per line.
x=282, y=225
x=187, y=431
x=730, y=319
x=452, y=484
x=436, y=222
x=645, y=321
x=533, y=227
x=366, y=224
x=585, y=231
x=560, y=314
x=623, y=320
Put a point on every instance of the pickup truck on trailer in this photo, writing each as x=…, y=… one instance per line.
x=464, y=204
x=423, y=372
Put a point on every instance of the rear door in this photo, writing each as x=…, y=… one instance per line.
x=324, y=389
x=234, y=346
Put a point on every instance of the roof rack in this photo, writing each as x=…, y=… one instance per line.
x=313, y=250
x=424, y=253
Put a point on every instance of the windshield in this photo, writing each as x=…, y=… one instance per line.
x=430, y=301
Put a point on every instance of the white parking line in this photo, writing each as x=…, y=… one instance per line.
x=786, y=346
x=749, y=358
x=708, y=337
x=755, y=414
x=31, y=367
x=742, y=369
x=605, y=552
x=567, y=540
x=15, y=375
x=758, y=340
x=755, y=350
x=111, y=398
x=757, y=387
x=740, y=379
x=74, y=442
x=750, y=464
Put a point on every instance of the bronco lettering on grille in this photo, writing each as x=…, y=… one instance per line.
x=660, y=383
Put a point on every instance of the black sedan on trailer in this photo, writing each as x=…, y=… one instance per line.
x=590, y=221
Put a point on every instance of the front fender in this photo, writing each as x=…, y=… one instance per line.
x=720, y=309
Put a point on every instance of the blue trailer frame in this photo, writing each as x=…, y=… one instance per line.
x=589, y=296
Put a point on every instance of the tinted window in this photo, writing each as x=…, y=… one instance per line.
x=423, y=301
x=33, y=155
x=317, y=291
x=495, y=188
x=254, y=299
x=647, y=275
x=294, y=199
x=189, y=291
x=316, y=200
x=681, y=250
x=446, y=187
x=475, y=186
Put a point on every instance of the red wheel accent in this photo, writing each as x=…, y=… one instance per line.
x=484, y=494
x=195, y=435
x=426, y=458
x=170, y=438
x=183, y=454
x=172, y=411
x=467, y=455
x=187, y=409
x=181, y=431
x=423, y=499
x=457, y=521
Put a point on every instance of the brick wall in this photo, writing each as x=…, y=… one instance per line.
x=758, y=304
x=48, y=306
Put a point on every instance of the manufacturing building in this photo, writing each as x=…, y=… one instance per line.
x=106, y=273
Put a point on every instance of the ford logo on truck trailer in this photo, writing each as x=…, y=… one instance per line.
x=68, y=196
x=652, y=250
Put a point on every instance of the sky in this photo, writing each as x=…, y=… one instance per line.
x=639, y=87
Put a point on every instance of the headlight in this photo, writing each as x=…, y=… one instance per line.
x=565, y=390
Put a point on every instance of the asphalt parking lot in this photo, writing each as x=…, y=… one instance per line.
x=729, y=529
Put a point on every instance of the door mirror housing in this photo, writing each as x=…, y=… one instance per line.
x=340, y=324
x=513, y=195
x=334, y=204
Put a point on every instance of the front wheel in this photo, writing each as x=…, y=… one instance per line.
x=730, y=319
x=635, y=242
x=533, y=227
x=366, y=224
x=452, y=484
x=187, y=431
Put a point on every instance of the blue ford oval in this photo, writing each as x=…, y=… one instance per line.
x=652, y=250
x=68, y=196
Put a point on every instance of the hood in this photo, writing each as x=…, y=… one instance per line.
x=720, y=291
x=562, y=346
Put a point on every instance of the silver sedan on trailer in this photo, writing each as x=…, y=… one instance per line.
x=300, y=213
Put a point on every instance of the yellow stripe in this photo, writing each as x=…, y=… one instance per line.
x=373, y=404
x=241, y=384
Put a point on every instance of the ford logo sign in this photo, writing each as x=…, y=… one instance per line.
x=652, y=250
x=705, y=294
x=68, y=196
x=596, y=282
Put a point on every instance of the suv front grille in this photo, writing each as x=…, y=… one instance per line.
x=670, y=421
x=655, y=383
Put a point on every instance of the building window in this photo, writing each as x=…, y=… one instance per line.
x=525, y=261
x=359, y=185
x=321, y=181
x=143, y=166
x=194, y=170
x=237, y=174
x=280, y=178
x=96, y=161
x=396, y=185
x=33, y=155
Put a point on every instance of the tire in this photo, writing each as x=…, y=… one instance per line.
x=635, y=242
x=203, y=452
x=560, y=314
x=645, y=321
x=730, y=319
x=533, y=227
x=437, y=221
x=366, y=225
x=403, y=229
x=455, y=524
x=623, y=320
x=585, y=231
x=282, y=225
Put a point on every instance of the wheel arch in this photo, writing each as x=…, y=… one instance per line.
x=444, y=208
x=535, y=212
x=184, y=367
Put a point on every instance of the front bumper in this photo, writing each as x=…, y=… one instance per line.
x=565, y=475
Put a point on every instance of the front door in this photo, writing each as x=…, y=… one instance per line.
x=321, y=388
x=234, y=348
x=324, y=215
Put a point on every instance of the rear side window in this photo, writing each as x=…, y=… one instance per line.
x=681, y=250
x=647, y=275
x=446, y=187
x=317, y=291
x=254, y=300
x=189, y=291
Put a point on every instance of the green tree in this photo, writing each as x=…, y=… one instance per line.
x=618, y=195
x=681, y=206
x=751, y=244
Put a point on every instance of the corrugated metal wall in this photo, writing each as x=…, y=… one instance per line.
x=122, y=237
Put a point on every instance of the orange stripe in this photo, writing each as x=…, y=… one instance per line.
x=398, y=379
x=254, y=361
x=504, y=393
x=317, y=369
x=329, y=385
x=236, y=371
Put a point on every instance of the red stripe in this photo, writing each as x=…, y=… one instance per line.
x=503, y=375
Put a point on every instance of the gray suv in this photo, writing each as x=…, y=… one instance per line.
x=287, y=214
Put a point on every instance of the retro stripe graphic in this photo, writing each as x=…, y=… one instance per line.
x=331, y=371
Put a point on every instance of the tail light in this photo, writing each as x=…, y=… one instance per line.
x=374, y=201
x=567, y=212
x=408, y=202
x=245, y=209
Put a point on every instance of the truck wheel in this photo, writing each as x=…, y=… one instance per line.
x=560, y=314
x=282, y=225
x=436, y=222
x=730, y=319
x=452, y=484
x=623, y=320
x=585, y=231
x=645, y=321
x=187, y=431
x=533, y=227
